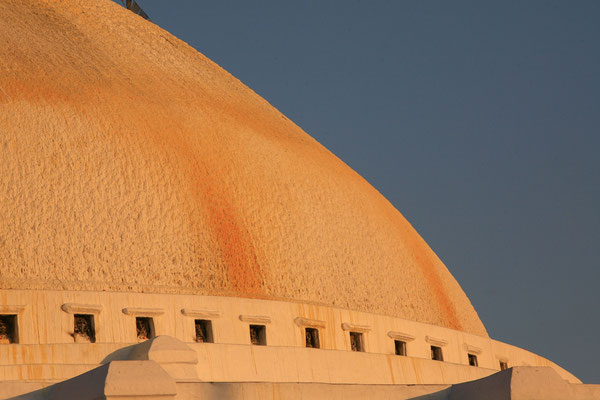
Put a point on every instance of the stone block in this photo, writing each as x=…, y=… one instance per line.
x=517, y=383
x=173, y=355
x=143, y=380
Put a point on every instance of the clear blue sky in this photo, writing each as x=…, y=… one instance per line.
x=477, y=120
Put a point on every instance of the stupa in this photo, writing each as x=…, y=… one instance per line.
x=167, y=233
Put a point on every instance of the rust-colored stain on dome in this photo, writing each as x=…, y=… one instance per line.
x=235, y=245
x=131, y=162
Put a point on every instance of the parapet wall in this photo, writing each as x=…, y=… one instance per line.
x=46, y=348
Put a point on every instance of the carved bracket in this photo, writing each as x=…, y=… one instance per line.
x=11, y=309
x=143, y=312
x=472, y=349
x=436, y=342
x=405, y=337
x=202, y=314
x=76, y=308
x=311, y=323
x=355, y=328
x=255, y=319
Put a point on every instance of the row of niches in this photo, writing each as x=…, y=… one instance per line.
x=84, y=331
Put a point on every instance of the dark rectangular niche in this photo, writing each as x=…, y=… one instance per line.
x=436, y=353
x=204, y=332
x=83, y=328
x=503, y=365
x=144, y=327
x=258, y=335
x=356, y=341
x=312, y=338
x=8, y=329
x=400, y=347
x=473, y=360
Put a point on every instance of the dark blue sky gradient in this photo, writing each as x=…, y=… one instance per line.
x=477, y=120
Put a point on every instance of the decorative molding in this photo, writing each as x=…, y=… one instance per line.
x=77, y=308
x=355, y=328
x=11, y=309
x=314, y=323
x=473, y=349
x=436, y=342
x=405, y=337
x=204, y=314
x=255, y=319
x=143, y=312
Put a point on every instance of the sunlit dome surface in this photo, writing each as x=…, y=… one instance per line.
x=130, y=162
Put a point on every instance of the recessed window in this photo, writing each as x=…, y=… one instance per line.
x=84, y=330
x=312, y=338
x=8, y=329
x=356, y=341
x=400, y=347
x=258, y=335
x=503, y=365
x=204, y=331
x=436, y=353
x=473, y=360
x=144, y=327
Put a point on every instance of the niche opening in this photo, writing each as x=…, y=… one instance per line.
x=356, y=341
x=258, y=335
x=400, y=347
x=204, y=332
x=8, y=329
x=436, y=353
x=84, y=330
x=473, y=360
x=144, y=327
x=312, y=338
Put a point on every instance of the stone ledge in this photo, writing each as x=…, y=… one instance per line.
x=75, y=308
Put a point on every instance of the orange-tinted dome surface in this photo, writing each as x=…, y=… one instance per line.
x=131, y=162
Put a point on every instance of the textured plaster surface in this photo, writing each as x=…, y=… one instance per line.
x=131, y=162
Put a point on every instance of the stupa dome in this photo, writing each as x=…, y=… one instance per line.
x=130, y=162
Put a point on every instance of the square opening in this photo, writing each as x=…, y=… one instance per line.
x=84, y=330
x=473, y=360
x=258, y=335
x=204, y=331
x=144, y=327
x=8, y=329
x=356, y=341
x=436, y=353
x=400, y=347
x=503, y=365
x=312, y=338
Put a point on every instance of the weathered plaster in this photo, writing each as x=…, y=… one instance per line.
x=131, y=162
